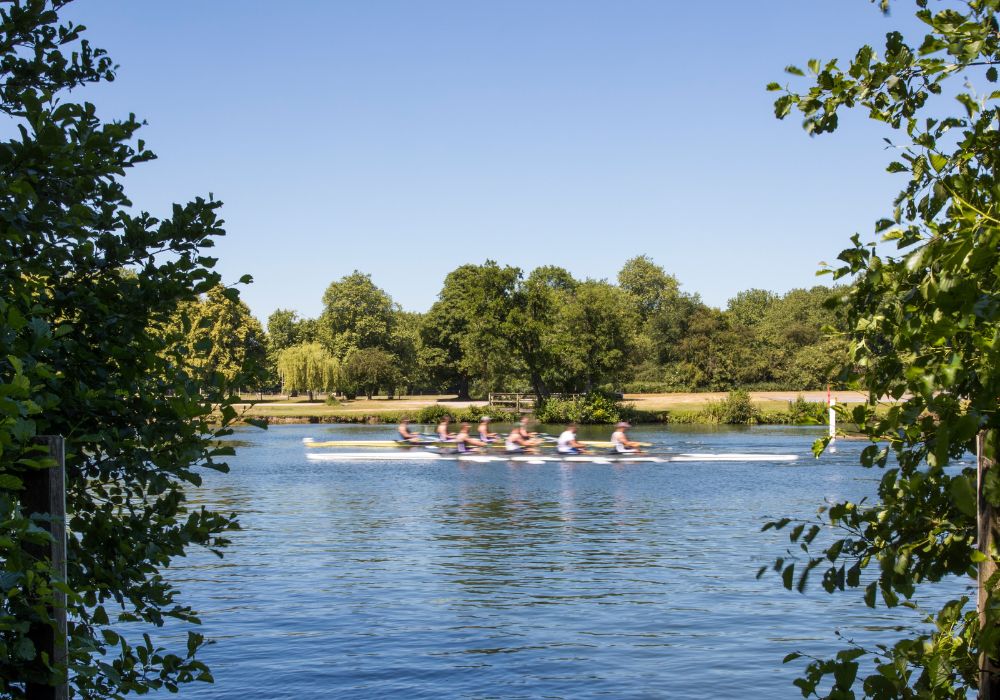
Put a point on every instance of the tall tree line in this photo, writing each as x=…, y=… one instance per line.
x=497, y=328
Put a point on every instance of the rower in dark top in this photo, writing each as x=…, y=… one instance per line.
x=520, y=440
x=464, y=441
x=405, y=434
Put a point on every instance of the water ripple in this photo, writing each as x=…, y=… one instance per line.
x=437, y=580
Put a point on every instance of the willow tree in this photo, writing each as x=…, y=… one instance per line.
x=925, y=330
x=84, y=276
x=308, y=367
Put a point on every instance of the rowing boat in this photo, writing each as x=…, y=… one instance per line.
x=542, y=459
x=499, y=445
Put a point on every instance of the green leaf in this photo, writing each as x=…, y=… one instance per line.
x=870, y=591
x=788, y=575
x=24, y=649
x=963, y=494
x=10, y=482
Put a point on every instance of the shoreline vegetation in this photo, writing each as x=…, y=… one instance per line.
x=733, y=408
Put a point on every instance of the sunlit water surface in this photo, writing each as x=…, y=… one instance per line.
x=502, y=580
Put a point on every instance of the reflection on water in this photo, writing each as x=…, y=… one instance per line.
x=445, y=580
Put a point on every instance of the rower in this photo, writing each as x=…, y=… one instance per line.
x=567, y=444
x=405, y=435
x=620, y=442
x=520, y=440
x=442, y=430
x=463, y=441
x=484, y=430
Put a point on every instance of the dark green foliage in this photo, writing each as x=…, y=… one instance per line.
x=493, y=330
x=924, y=326
x=367, y=370
x=460, y=337
x=88, y=288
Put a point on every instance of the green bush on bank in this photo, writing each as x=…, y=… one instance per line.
x=594, y=409
x=472, y=414
x=735, y=409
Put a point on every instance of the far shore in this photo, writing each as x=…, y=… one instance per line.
x=285, y=409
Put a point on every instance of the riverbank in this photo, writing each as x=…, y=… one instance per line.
x=770, y=407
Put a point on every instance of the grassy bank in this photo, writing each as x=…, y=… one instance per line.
x=764, y=408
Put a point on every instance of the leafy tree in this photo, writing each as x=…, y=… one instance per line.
x=308, y=367
x=356, y=314
x=406, y=347
x=750, y=307
x=924, y=324
x=84, y=279
x=592, y=336
x=283, y=331
x=529, y=326
x=651, y=288
x=714, y=356
x=223, y=342
x=461, y=335
x=367, y=370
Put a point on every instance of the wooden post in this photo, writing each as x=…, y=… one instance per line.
x=987, y=529
x=45, y=494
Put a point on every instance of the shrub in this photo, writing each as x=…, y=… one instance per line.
x=802, y=412
x=432, y=414
x=593, y=408
x=735, y=409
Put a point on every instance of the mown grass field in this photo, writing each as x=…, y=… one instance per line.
x=299, y=408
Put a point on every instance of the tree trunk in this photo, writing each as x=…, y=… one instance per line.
x=988, y=529
x=463, y=388
x=541, y=391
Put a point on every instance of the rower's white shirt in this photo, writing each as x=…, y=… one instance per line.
x=566, y=440
x=618, y=440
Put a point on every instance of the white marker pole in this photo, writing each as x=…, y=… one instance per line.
x=833, y=421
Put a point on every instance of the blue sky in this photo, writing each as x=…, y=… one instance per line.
x=406, y=138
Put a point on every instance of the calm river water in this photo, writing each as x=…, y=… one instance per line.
x=447, y=580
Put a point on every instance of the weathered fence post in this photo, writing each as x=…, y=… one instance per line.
x=987, y=529
x=45, y=494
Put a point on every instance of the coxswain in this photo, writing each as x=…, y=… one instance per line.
x=620, y=442
x=442, y=430
x=464, y=441
x=567, y=444
x=484, y=430
x=405, y=435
